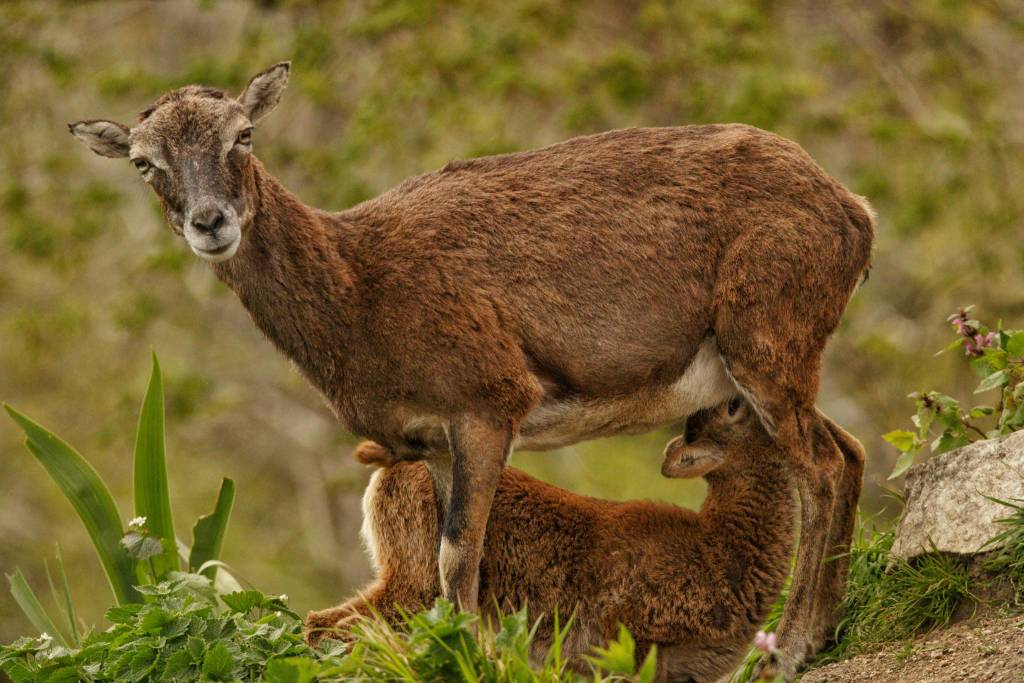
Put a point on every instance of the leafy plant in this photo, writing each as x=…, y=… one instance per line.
x=997, y=357
x=145, y=553
x=186, y=632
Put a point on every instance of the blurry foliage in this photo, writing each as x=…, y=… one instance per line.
x=916, y=104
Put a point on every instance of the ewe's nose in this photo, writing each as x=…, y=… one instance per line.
x=208, y=220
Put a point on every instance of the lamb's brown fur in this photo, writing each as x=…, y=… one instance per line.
x=696, y=584
x=601, y=285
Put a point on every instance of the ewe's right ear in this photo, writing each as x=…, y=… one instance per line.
x=264, y=91
x=106, y=138
x=686, y=461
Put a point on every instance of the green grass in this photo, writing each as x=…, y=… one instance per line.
x=1008, y=560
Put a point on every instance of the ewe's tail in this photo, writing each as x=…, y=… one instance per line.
x=372, y=453
x=863, y=217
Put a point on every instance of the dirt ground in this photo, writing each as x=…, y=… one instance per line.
x=989, y=650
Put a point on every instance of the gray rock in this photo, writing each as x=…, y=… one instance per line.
x=945, y=497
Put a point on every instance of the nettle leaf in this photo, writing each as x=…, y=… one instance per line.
x=948, y=442
x=996, y=379
x=901, y=439
x=178, y=666
x=196, y=648
x=124, y=614
x=924, y=418
x=292, y=670
x=981, y=411
x=1014, y=343
x=244, y=601
x=903, y=462
x=219, y=663
x=955, y=344
x=155, y=619
x=951, y=419
x=142, y=662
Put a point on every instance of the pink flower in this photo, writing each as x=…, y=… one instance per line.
x=991, y=339
x=766, y=642
x=959, y=324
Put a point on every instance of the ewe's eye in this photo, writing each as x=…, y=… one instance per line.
x=141, y=164
x=244, y=138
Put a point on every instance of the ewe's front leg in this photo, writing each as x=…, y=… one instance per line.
x=479, y=448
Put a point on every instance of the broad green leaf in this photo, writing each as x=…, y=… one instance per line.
x=903, y=463
x=1015, y=344
x=996, y=379
x=244, y=601
x=152, y=498
x=33, y=609
x=91, y=498
x=981, y=411
x=123, y=614
x=951, y=419
x=292, y=670
x=208, y=533
x=177, y=666
x=948, y=442
x=955, y=344
x=902, y=439
x=218, y=663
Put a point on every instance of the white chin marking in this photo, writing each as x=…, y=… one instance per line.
x=216, y=256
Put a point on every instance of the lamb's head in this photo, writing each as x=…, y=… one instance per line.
x=193, y=148
x=722, y=439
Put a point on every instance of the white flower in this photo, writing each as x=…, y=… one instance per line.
x=283, y=597
x=137, y=523
x=45, y=637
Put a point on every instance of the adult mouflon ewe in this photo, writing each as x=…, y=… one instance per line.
x=696, y=584
x=606, y=284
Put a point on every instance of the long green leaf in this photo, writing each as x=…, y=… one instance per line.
x=30, y=605
x=208, y=534
x=91, y=498
x=152, y=498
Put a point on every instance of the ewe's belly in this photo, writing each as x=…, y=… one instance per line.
x=556, y=423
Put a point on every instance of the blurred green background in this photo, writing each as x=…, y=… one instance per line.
x=918, y=105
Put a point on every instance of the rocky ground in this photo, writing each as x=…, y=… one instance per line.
x=989, y=650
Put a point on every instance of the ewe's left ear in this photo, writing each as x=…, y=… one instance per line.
x=264, y=91
x=106, y=138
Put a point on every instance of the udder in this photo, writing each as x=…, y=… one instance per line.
x=566, y=421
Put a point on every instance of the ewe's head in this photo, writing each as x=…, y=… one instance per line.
x=724, y=439
x=193, y=147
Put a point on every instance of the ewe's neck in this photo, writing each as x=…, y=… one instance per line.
x=290, y=275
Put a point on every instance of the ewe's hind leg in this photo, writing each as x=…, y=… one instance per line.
x=775, y=311
x=837, y=565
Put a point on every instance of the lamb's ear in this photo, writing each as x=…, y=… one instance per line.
x=685, y=461
x=264, y=91
x=106, y=138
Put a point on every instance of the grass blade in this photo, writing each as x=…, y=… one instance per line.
x=91, y=498
x=208, y=533
x=69, y=606
x=30, y=605
x=152, y=498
